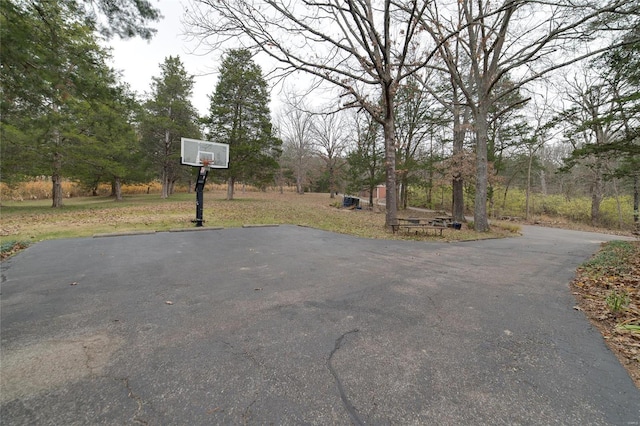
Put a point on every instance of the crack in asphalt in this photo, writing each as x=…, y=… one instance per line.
x=243, y=353
x=245, y=414
x=89, y=359
x=343, y=396
x=137, y=399
x=437, y=312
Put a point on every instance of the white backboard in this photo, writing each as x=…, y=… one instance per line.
x=194, y=151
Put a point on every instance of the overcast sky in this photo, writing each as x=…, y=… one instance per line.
x=140, y=60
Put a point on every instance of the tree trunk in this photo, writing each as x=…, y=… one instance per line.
x=331, y=180
x=618, y=204
x=166, y=181
x=401, y=192
x=56, y=190
x=596, y=198
x=481, y=223
x=636, y=203
x=230, y=184
x=299, y=188
x=430, y=188
x=528, y=190
x=56, y=181
x=165, y=184
x=457, y=204
x=300, y=176
x=117, y=188
x=391, y=214
x=458, y=199
x=543, y=182
x=504, y=198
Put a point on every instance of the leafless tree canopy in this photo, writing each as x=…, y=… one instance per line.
x=356, y=45
x=368, y=48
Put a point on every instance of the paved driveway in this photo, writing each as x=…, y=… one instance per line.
x=291, y=325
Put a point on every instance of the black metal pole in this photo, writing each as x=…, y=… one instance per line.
x=202, y=179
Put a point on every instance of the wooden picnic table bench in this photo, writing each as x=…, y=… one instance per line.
x=445, y=221
x=417, y=224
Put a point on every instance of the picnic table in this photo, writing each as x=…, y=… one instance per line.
x=417, y=224
x=445, y=221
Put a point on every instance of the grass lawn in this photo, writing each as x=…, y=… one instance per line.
x=29, y=221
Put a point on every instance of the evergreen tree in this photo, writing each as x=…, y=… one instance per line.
x=168, y=116
x=239, y=116
x=109, y=150
x=52, y=68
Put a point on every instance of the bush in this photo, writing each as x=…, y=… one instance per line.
x=575, y=209
x=40, y=189
x=609, y=216
x=513, y=205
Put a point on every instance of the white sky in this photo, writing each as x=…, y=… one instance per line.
x=140, y=60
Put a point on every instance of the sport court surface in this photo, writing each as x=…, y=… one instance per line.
x=291, y=325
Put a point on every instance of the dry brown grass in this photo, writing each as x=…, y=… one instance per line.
x=36, y=220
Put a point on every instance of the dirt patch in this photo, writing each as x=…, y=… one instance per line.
x=35, y=368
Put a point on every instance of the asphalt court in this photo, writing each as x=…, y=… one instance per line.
x=292, y=325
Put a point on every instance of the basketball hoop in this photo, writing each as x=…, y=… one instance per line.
x=206, y=156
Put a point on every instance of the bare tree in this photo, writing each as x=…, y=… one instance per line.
x=365, y=49
x=525, y=38
x=295, y=123
x=417, y=115
x=331, y=135
x=586, y=124
x=452, y=53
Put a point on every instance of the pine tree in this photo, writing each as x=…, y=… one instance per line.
x=168, y=116
x=239, y=116
x=108, y=149
x=53, y=69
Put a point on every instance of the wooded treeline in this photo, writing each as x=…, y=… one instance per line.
x=467, y=98
x=67, y=115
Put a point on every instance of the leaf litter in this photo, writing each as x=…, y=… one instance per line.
x=608, y=291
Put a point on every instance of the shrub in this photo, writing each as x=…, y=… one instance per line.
x=609, y=215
